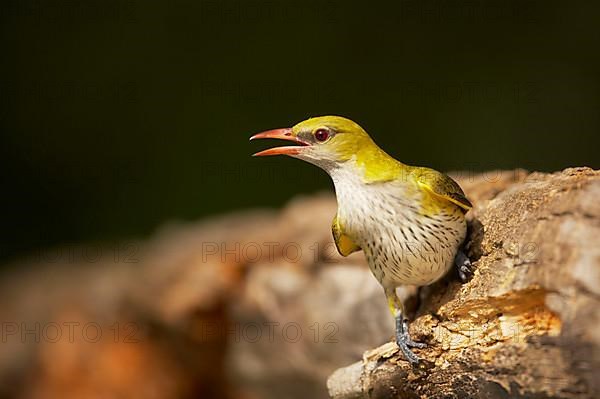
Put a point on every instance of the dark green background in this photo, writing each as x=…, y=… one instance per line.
x=117, y=116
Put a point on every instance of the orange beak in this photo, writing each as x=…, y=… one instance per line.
x=282, y=134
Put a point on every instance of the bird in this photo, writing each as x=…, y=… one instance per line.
x=409, y=221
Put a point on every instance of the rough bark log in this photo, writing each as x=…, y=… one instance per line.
x=527, y=324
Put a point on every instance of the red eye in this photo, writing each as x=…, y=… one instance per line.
x=321, y=134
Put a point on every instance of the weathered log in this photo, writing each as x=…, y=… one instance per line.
x=197, y=295
x=527, y=323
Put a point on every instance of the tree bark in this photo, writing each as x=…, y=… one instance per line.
x=526, y=324
x=195, y=311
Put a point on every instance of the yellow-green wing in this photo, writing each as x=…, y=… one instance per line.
x=442, y=186
x=344, y=244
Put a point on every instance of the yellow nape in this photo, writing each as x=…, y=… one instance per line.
x=378, y=166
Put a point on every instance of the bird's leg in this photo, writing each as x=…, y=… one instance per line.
x=403, y=339
x=463, y=264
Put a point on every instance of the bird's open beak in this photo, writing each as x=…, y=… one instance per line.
x=283, y=134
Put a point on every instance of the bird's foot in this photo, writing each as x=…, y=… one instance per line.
x=404, y=341
x=464, y=266
x=412, y=344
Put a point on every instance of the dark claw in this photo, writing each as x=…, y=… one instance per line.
x=412, y=344
x=464, y=266
x=404, y=341
x=408, y=354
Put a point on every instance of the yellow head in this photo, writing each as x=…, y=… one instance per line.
x=328, y=141
x=323, y=139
